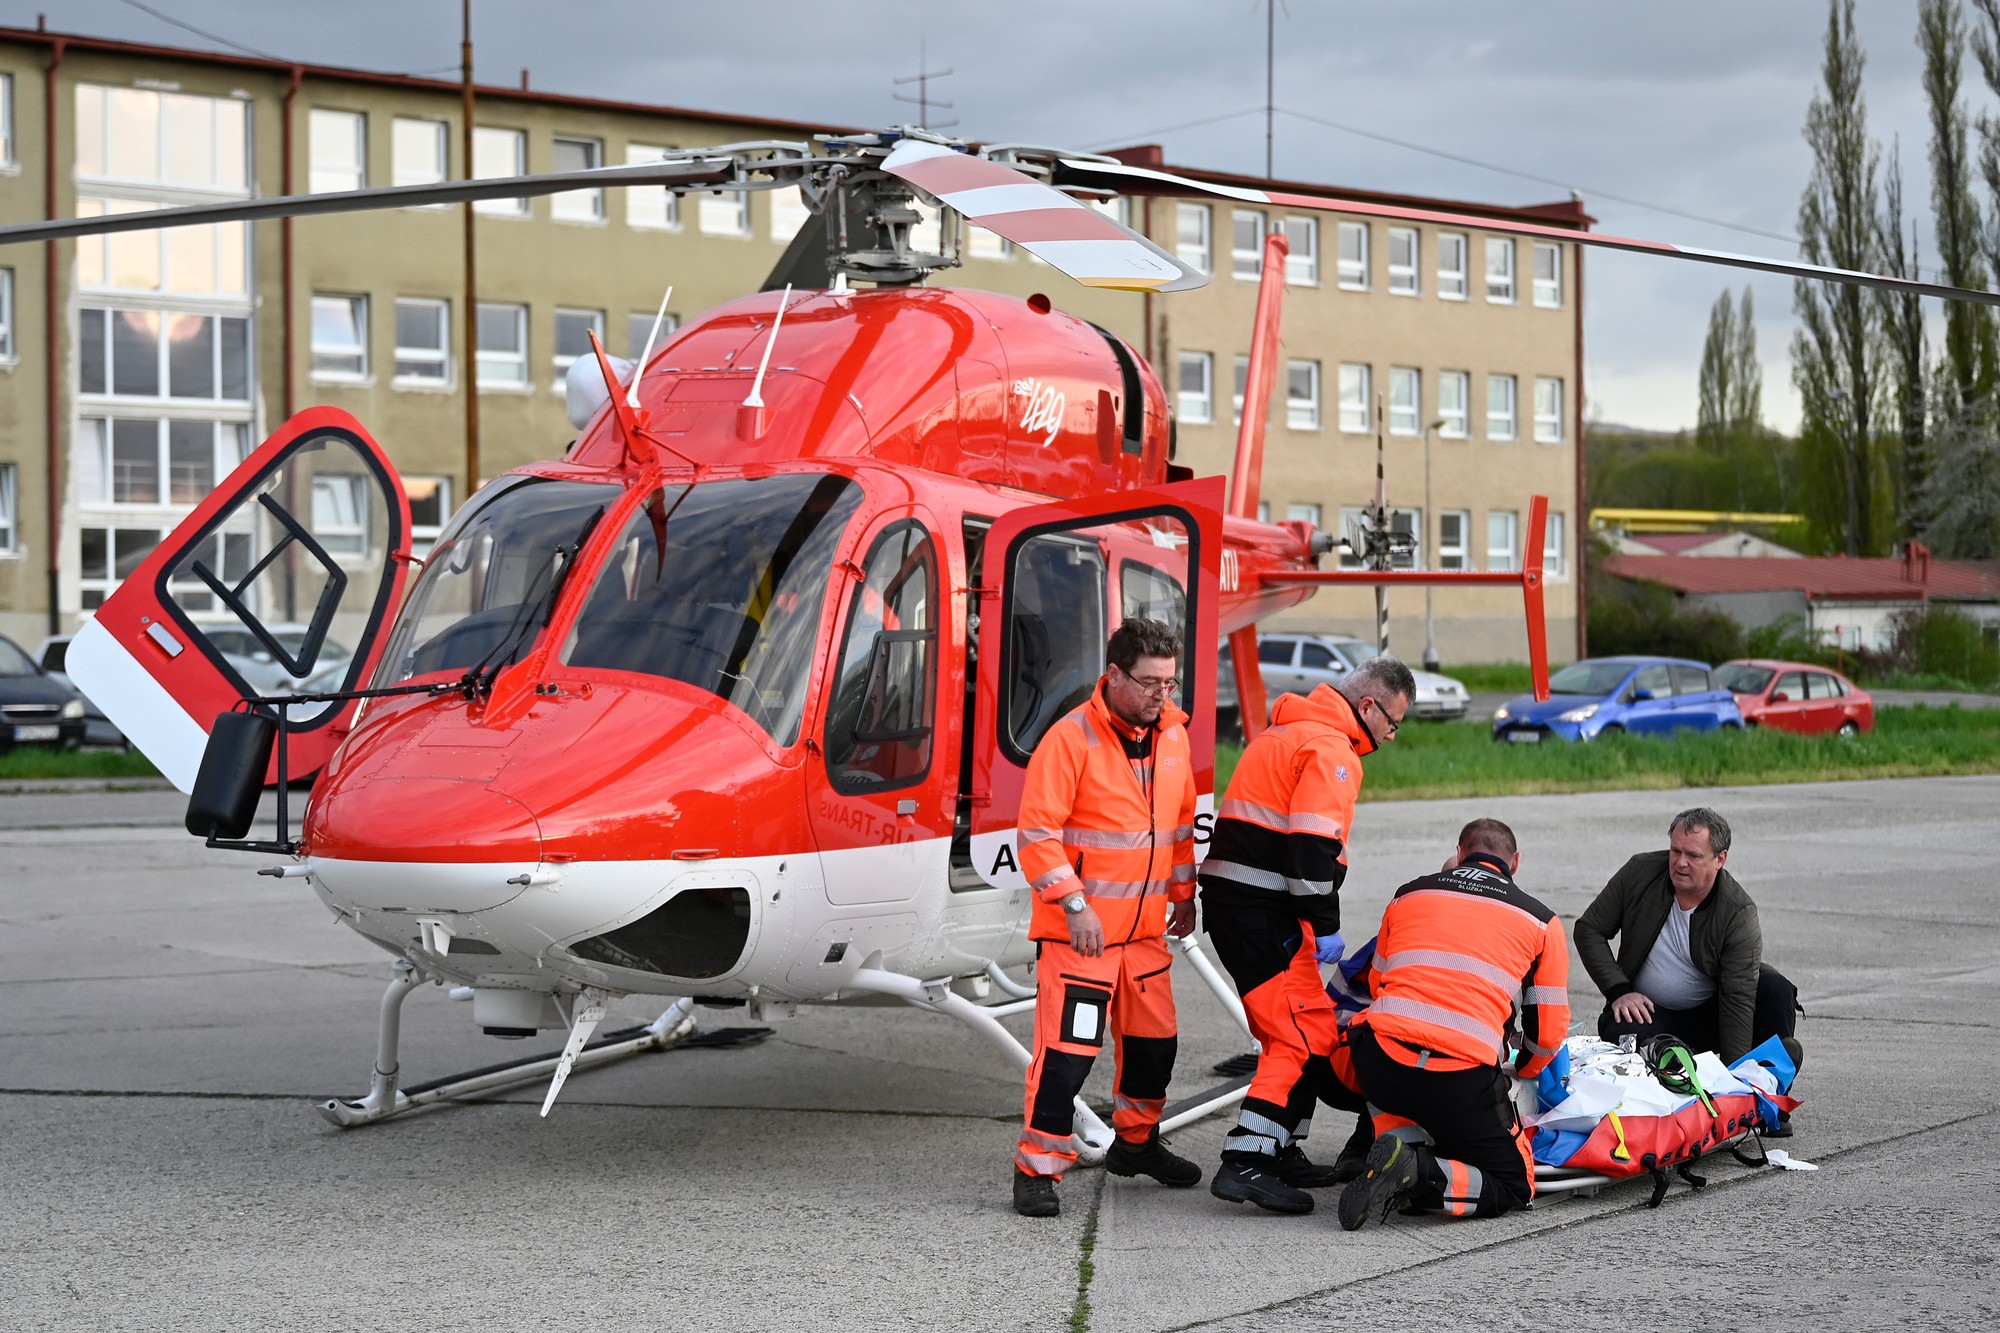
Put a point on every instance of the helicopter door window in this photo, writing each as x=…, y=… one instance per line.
x=879, y=720
x=1156, y=595
x=1055, y=634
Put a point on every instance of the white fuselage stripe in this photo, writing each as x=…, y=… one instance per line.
x=152, y=719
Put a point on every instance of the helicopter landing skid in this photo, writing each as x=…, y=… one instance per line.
x=385, y=1099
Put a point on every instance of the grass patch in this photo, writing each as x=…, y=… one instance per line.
x=1491, y=677
x=1436, y=760
x=35, y=764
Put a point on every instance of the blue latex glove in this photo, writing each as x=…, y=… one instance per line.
x=1329, y=948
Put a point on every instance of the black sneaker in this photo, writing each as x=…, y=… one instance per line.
x=1353, y=1159
x=1781, y=1130
x=1388, y=1174
x=1151, y=1158
x=1302, y=1172
x=1035, y=1196
x=1245, y=1182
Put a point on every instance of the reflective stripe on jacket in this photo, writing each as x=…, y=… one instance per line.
x=1284, y=823
x=1454, y=951
x=1086, y=823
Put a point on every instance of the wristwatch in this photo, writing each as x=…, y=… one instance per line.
x=1075, y=903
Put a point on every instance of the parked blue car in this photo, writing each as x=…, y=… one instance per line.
x=1641, y=695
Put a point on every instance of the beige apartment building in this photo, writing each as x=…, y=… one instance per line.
x=136, y=370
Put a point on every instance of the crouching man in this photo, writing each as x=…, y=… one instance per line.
x=1455, y=950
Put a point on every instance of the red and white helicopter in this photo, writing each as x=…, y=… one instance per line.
x=731, y=703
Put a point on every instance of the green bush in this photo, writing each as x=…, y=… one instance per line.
x=1944, y=642
x=1628, y=617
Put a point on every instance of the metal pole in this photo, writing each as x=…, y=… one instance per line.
x=1270, y=66
x=1431, y=661
x=1381, y=552
x=471, y=370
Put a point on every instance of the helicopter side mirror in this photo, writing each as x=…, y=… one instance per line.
x=231, y=778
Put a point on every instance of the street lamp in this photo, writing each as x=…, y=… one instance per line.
x=1431, y=662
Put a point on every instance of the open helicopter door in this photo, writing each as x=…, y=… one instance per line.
x=287, y=570
x=1057, y=579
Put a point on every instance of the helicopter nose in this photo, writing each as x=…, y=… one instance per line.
x=458, y=841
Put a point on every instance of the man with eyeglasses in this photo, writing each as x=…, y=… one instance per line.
x=1107, y=844
x=1270, y=892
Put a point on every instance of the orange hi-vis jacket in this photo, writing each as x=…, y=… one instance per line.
x=1284, y=823
x=1454, y=951
x=1118, y=829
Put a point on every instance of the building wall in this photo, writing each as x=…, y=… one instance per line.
x=23, y=370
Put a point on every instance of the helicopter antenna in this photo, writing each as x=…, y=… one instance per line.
x=756, y=398
x=632, y=393
x=923, y=101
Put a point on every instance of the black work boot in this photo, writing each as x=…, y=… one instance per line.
x=1353, y=1157
x=1252, y=1178
x=1151, y=1158
x=1301, y=1172
x=1035, y=1196
x=1387, y=1175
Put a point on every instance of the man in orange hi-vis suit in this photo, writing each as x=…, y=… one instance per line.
x=1271, y=892
x=1454, y=952
x=1107, y=842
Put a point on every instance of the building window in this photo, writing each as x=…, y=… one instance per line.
x=1302, y=264
x=503, y=346
x=1191, y=235
x=1451, y=265
x=417, y=148
x=1354, y=256
x=1500, y=401
x=927, y=237
x=109, y=555
x=177, y=139
x=1403, y=252
x=573, y=330
x=1196, y=382
x=154, y=461
x=7, y=157
x=423, y=342
x=10, y=506
x=497, y=153
x=1548, y=276
x=1553, y=562
x=1246, y=244
x=1302, y=395
x=1454, y=397
x=650, y=207
x=725, y=213
x=1453, y=525
x=1501, y=526
x=6, y=314
x=983, y=244
x=639, y=327
x=1263, y=511
x=1500, y=270
x=1242, y=388
x=430, y=510
x=1302, y=513
x=340, y=512
x=151, y=354
x=1549, y=411
x=340, y=337
x=1406, y=400
x=577, y=205
x=1354, y=397
x=195, y=261
x=788, y=213
x=339, y=150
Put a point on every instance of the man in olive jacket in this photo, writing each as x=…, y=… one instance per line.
x=1689, y=949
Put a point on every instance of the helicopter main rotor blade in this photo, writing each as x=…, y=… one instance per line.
x=1117, y=176
x=672, y=175
x=1096, y=250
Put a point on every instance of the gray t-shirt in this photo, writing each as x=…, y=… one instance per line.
x=1669, y=978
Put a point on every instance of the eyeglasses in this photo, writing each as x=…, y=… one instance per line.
x=1395, y=723
x=1157, y=688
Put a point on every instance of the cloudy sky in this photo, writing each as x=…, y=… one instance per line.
x=1693, y=107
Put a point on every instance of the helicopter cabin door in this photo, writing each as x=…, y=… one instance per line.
x=1056, y=580
x=280, y=582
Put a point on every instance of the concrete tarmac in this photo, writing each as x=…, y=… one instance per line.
x=170, y=1016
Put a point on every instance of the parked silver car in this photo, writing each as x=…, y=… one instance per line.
x=1296, y=663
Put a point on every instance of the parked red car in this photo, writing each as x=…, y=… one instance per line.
x=1797, y=696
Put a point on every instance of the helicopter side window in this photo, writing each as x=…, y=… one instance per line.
x=1155, y=595
x=1055, y=634
x=719, y=586
x=878, y=725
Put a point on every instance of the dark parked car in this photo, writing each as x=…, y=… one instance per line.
x=1797, y=696
x=35, y=707
x=1604, y=695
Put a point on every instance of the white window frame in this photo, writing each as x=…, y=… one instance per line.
x=1406, y=400
x=95, y=459
x=7, y=158
x=1405, y=276
x=724, y=213
x=1548, y=410
x=1300, y=511
x=1195, y=253
x=1548, y=290
x=1555, y=560
x=1500, y=270
x=788, y=213
x=1353, y=271
x=488, y=143
x=1302, y=413
x=1456, y=423
x=650, y=207
x=1503, y=525
x=491, y=357
x=10, y=510
x=1302, y=264
x=1454, y=250
x=342, y=129
x=1195, y=406
x=227, y=125
x=1356, y=389
x=99, y=257
x=357, y=306
x=639, y=326
x=423, y=536
x=564, y=360
x=341, y=535
x=439, y=356
x=1503, y=423
x=1240, y=387
x=6, y=316
x=1454, y=556
x=163, y=340
x=404, y=132
x=1263, y=511
x=585, y=206
x=1246, y=265
x=983, y=244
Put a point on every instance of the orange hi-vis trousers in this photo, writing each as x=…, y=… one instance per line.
x=1124, y=995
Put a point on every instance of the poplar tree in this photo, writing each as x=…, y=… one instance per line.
x=1902, y=322
x=1968, y=328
